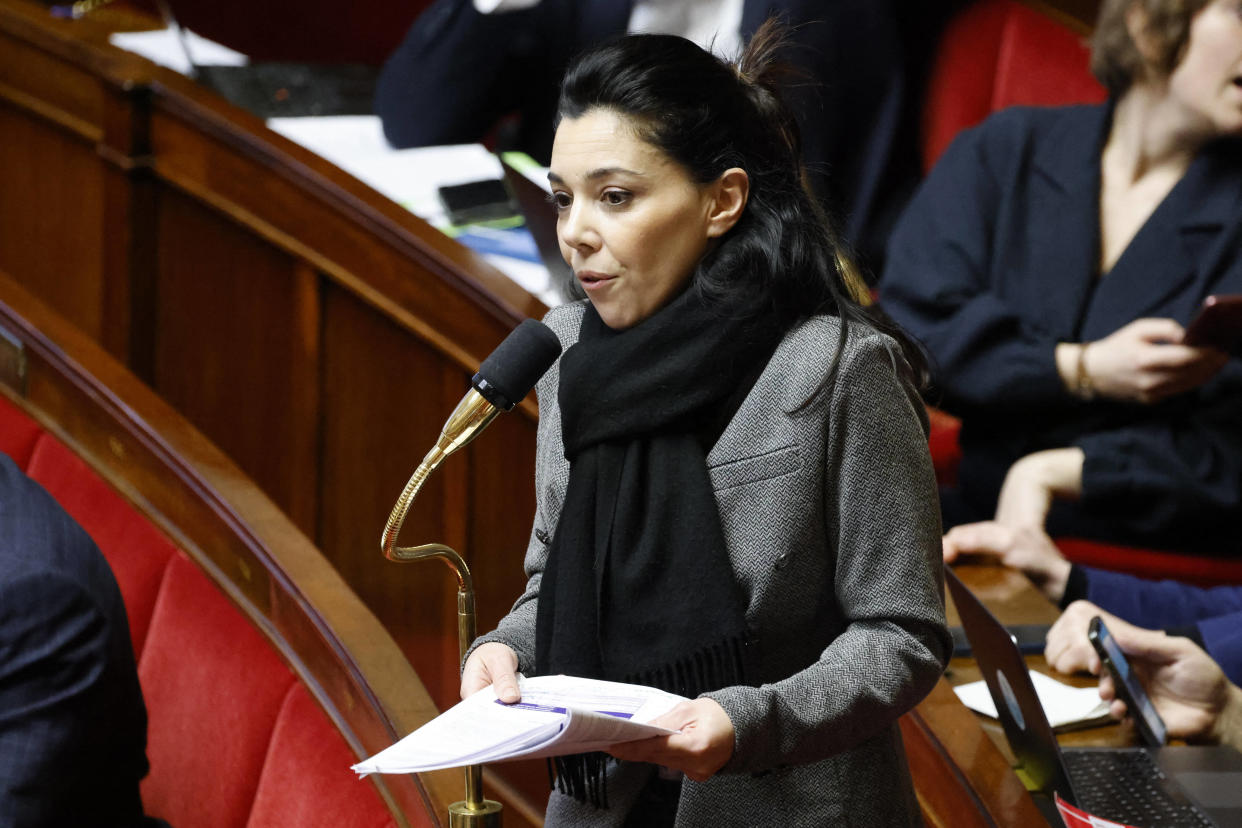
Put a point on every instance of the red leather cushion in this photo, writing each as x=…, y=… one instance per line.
x=213, y=687
x=307, y=781
x=134, y=548
x=1150, y=563
x=17, y=433
x=999, y=53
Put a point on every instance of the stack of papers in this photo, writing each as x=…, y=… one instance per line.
x=557, y=716
x=165, y=47
x=1065, y=706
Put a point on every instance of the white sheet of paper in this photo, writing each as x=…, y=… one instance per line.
x=1064, y=705
x=558, y=715
x=162, y=46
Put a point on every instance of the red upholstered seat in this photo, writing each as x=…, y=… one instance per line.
x=306, y=746
x=136, y=550
x=213, y=688
x=999, y=53
x=234, y=738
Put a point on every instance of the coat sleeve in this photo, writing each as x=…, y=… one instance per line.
x=937, y=282
x=1175, y=475
x=883, y=522
x=456, y=73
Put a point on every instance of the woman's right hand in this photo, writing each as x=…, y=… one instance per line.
x=1145, y=362
x=492, y=663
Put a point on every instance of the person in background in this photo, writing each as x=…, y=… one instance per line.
x=73, y=726
x=466, y=68
x=735, y=500
x=1211, y=617
x=1050, y=264
x=1193, y=696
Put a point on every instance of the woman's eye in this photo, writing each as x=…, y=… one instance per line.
x=615, y=198
x=560, y=201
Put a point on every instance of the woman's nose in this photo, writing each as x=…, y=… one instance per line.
x=575, y=229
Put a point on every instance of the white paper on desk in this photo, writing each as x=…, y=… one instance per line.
x=558, y=715
x=162, y=46
x=410, y=177
x=1063, y=705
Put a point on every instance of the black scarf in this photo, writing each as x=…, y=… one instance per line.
x=638, y=586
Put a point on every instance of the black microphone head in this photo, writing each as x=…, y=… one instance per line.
x=516, y=365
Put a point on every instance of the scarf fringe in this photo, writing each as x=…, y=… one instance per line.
x=582, y=776
x=717, y=665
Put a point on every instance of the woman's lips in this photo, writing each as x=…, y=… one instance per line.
x=591, y=280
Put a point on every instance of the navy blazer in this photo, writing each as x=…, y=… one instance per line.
x=996, y=261
x=458, y=72
x=73, y=726
x=1215, y=611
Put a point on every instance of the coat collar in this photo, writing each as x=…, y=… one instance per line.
x=1186, y=240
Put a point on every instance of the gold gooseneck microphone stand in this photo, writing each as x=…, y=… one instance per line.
x=470, y=417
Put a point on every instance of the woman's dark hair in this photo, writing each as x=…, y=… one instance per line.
x=1117, y=61
x=781, y=259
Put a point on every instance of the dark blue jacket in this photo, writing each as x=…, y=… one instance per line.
x=1216, y=611
x=73, y=726
x=996, y=261
x=459, y=72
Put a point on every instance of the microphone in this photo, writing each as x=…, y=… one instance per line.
x=503, y=380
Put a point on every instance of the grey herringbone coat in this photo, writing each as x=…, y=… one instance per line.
x=829, y=511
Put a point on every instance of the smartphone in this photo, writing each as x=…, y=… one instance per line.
x=1150, y=726
x=1218, y=324
x=1030, y=639
x=476, y=201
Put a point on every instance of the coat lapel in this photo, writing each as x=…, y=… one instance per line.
x=1171, y=263
x=1065, y=188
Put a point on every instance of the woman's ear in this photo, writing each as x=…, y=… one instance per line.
x=730, y=192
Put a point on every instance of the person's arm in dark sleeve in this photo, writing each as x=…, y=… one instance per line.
x=937, y=283
x=1222, y=639
x=455, y=74
x=1157, y=604
x=1177, y=476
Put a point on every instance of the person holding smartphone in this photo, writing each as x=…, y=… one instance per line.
x=1209, y=616
x=1051, y=263
x=1189, y=691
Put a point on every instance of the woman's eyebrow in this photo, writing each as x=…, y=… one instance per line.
x=600, y=172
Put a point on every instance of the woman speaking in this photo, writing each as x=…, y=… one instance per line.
x=735, y=499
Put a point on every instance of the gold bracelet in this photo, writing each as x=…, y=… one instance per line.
x=1084, y=389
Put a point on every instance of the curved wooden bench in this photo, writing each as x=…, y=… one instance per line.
x=264, y=675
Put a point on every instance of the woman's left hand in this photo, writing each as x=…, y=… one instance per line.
x=1032, y=483
x=702, y=747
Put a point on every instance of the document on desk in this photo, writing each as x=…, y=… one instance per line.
x=1066, y=706
x=558, y=715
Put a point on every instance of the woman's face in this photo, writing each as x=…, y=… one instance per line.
x=631, y=221
x=1207, y=82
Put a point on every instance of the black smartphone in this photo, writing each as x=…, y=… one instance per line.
x=476, y=201
x=1029, y=638
x=1218, y=324
x=1150, y=726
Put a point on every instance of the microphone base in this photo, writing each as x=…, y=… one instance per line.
x=461, y=815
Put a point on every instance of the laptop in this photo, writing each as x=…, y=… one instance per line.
x=1141, y=786
x=540, y=216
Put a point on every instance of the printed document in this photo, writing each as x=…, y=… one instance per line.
x=558, y=715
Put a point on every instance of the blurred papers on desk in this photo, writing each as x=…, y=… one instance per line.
x=1066, y=707
x=412, y=178
x=164, y=47
x=557, y=716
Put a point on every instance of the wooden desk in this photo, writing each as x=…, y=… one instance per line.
x=1014, y=600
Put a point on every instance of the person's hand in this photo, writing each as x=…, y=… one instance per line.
x=1033, y=481
x=492, y=663
x=1067, y=648
x=1187, y=688
x=1027, y=548
x=1145, y=362
x=702, y=747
